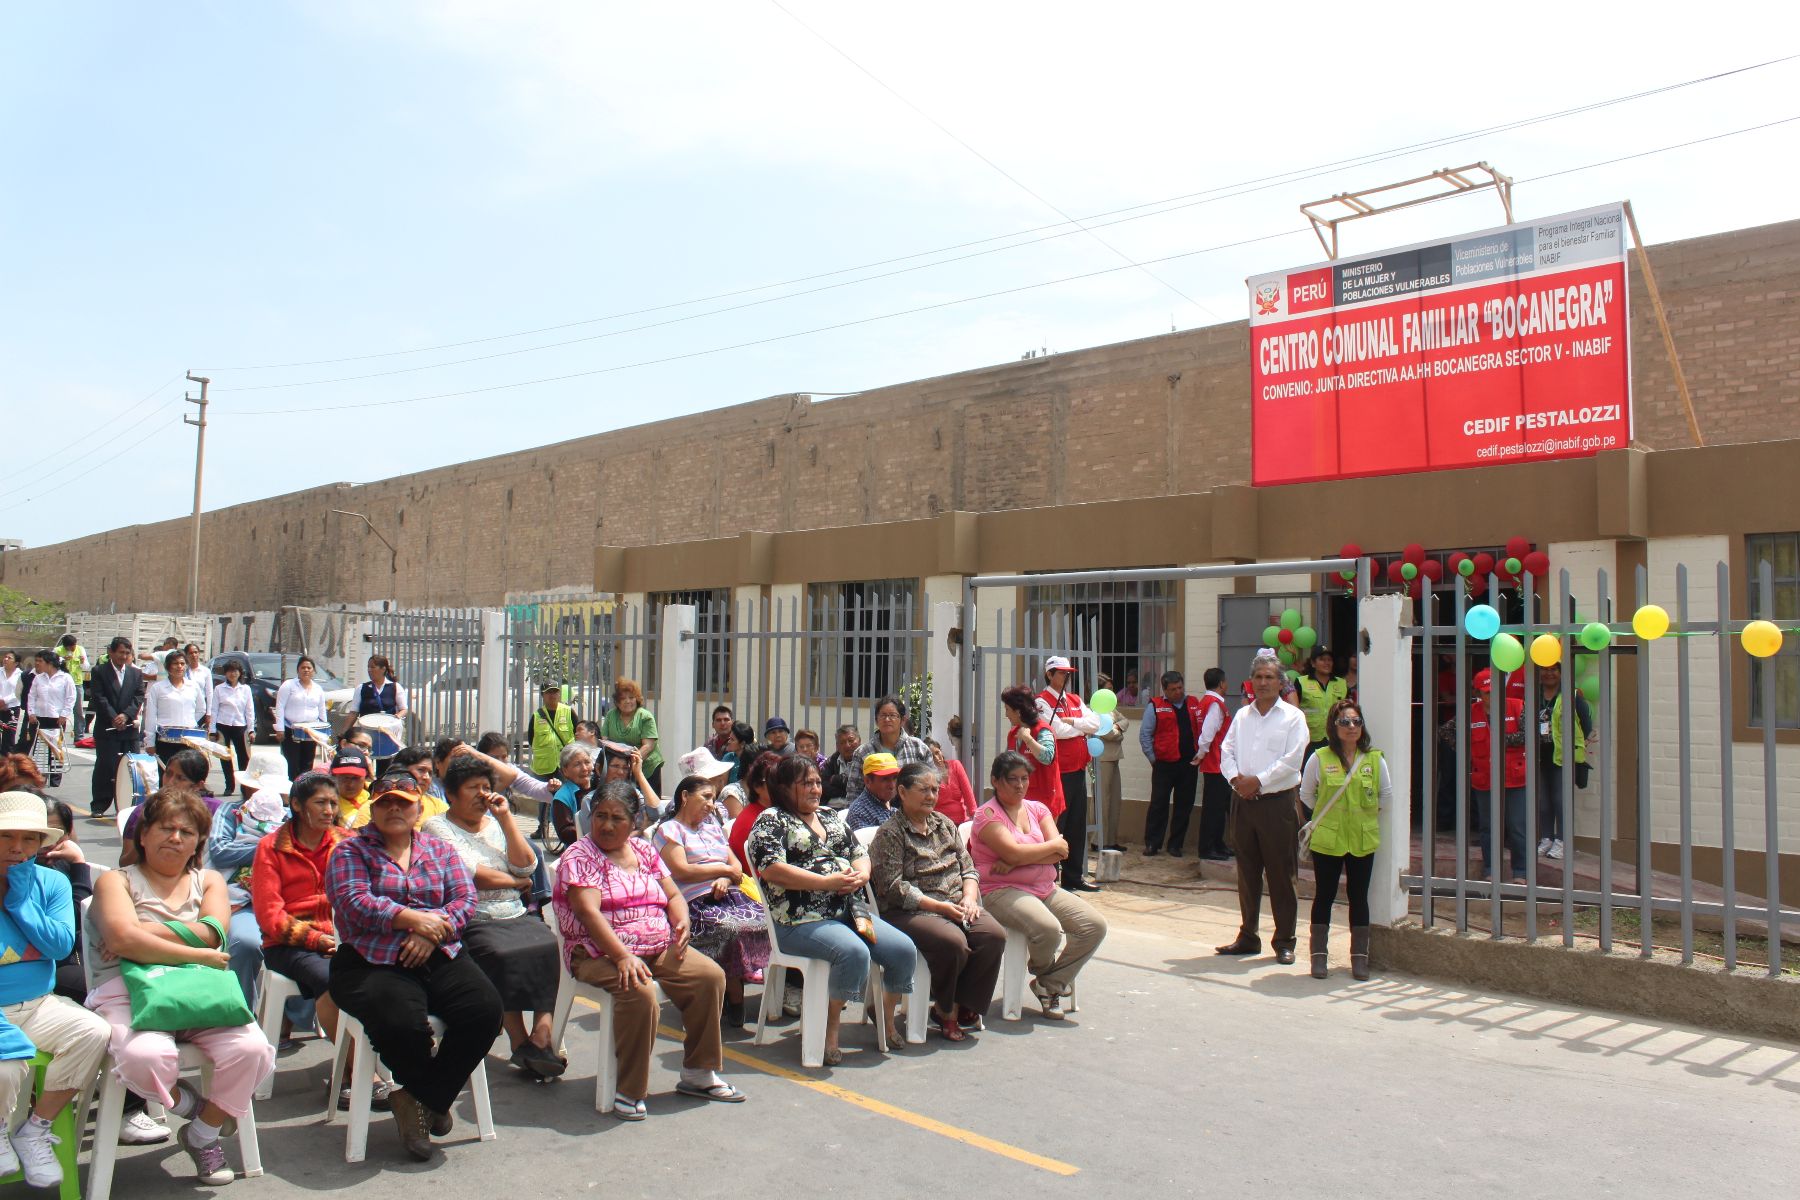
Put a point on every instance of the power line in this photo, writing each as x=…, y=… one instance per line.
x=945, y=303
x=91, y=466
x=82, y=463
x=1173, y=203
x=1004, y=173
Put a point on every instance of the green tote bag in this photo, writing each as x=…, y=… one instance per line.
x=173, y=997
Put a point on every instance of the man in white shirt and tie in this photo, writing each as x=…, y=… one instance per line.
x=1262, y=755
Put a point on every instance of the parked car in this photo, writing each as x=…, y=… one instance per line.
x=443, y=699
x=265, y=673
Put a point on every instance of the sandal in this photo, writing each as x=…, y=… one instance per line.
x=833, y=1056
x=627, y=1109
x=949, y=1027
x=724, y=1093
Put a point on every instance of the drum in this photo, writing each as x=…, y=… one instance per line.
x=179, y=734
x=139, y=776
x=385, y=732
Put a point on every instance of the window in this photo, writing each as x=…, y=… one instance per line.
x=712, y=641
x=1134, y=619
x=871, y=642
x=1782, y=552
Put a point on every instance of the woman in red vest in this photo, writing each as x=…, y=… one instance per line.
x=1512, y=758
x=1071, y=724
x=1030, y=735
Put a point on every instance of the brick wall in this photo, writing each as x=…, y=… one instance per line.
x=1163, y=415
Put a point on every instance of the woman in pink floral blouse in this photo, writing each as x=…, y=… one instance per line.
x=625, y=927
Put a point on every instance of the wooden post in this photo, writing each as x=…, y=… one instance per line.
x=1662, y=322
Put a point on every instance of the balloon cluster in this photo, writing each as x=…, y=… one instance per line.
x=1288, y=637
x=1413, y=570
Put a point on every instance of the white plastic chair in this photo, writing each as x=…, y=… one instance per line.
x=109, y=1115
x=356, y=1139
x=606, y=1066
x=276, y=989
x=816, y=974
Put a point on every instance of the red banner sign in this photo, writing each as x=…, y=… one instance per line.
x=1507, y=346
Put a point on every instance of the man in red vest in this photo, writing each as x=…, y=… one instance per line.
x=1215, y=789
x=1170, y=738
x=1071, y=723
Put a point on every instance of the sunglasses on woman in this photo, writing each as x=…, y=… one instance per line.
x=1349, y=722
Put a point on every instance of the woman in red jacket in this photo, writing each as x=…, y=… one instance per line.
x=1031, y=736
x=1512, y=759
x=287, y=891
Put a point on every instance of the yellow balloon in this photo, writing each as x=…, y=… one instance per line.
x=1762, y=638
x=1650, y=622
x=1546, y=650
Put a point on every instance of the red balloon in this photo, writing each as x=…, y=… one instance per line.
x=1456, y=560
x=1484, y=563
x=1350, y=550
x=1393, y=572
x=1414, y=553
x=1433, y=569
x=1538, y=563
x=1286, y=637
x=1517, y=547
x=1418, y=587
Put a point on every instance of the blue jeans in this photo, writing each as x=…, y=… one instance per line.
x=849, y=955
x=1514, y=840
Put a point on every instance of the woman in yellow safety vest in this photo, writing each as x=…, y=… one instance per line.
x=551, y=728
x=1318, y=691
x=1345, y=784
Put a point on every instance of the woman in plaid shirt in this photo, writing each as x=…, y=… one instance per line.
x=400, y=899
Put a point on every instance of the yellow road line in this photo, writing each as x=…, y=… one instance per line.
x=967, y=1137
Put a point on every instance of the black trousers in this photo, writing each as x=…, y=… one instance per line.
x=300, y=752
x=110, y=748
x=234, y=736
x=1215, y=812
x=1357, y=870
x=1073, y=826
x=394, y=1004
x=1170, y=783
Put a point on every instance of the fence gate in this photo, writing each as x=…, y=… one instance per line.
x=818, y=662
x=437, y=659
x=585, y=646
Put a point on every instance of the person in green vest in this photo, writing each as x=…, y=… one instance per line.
x=629, y=723
x=1346, y=785
x=1318, y=690
x=75, y=661
x=551, y=728
x=1550, y=757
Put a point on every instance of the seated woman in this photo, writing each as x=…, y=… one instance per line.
x=1016, y=849
x=625, y=926
x=728, y=926
x=927, y=887
x=287, y=888
x=515, y=949
x=755, y=787
x=401, y=899
x=129, y=920
x=62, y=853
x=956, y=795
x=576, y=769
x=37, y=930
x=811, y=865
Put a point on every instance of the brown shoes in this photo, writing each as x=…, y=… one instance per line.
x=412, y=1121
x=1244, y=945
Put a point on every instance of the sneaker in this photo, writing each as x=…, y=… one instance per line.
x=141, y=1129
x=379, y=1097
x=35, y=1147
x=1543, y=847
x=210, y=1166
x=1556, y=849
x=790, y=1003
x=9, y=1162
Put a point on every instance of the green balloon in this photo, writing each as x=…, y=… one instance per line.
x=1271, y=636
x=1513, y=566
x=1596, y=636
x=1409, y=571
x=1507, y=653
x=1347, y=574
x=1466, y=567
x=1590, y=685
x=1305, y=637
x=1287, y=655
x=1290, y=618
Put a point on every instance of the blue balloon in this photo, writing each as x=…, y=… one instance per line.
x=1481, y=622
x=1095, y=746
x=1106, y=723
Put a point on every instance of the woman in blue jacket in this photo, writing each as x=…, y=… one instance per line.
x=37, y=930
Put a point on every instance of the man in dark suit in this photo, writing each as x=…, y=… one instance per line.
x=118, y=692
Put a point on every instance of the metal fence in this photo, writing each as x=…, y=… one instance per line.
x=1606, y=875
x=585, y=647
x=816, y=662
x=437, y=659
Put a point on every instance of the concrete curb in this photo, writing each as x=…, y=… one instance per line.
x=1661, y=990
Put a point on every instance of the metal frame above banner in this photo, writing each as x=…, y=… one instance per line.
x=1459, y=180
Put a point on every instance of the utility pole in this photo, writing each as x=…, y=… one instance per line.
x=199, y=470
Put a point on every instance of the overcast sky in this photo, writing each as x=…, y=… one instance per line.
x=223, y=186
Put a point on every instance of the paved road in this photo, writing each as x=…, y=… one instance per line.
x=1183, y=1074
